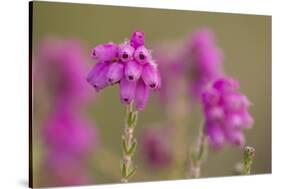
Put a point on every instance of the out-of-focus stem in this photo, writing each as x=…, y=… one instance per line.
x=249, y=153
x=178, y=115
x=129, y=144
x=198, y=155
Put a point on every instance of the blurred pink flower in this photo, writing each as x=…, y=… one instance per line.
x=189, y=66
x=226, y=113
x=156, y=146
x=65, y=170
x=204, y=61
x=66, y=132
x=61, y=66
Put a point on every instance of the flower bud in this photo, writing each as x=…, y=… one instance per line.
x=97, y=76
x=133, y=71
x=142, y=55
x=235, y=136
x=210, y=97
x=105, y=52
x=126, y=52
x=137, y=39
x=142, y=95
x=235, y=102
x=127, y=91
x=215, y=135
x=214, y=113
x=115, y=73
x=225, y=85
x=151, y=76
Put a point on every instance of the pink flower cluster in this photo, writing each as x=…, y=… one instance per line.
x=226, y=113
x=130, y=65
x=189, y=66
x=66, y=132
x=204, y=61
x=60, y=67
x=68, y=137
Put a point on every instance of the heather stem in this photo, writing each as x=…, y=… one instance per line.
x=198, y=155
x=249, y=153
x=129, y=144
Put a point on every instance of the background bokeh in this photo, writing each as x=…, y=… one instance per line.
x=244, y=39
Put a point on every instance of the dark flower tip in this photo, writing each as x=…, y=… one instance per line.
x=142, y=57
x=110, y=80
x=126, y=99
x=125, y=55
x=153, y=85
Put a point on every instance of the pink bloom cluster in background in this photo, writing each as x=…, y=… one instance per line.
x=130, y=65
x=203, y=61
x=68, y=137
x=64, y=169
x=191, y=65
x=226, y=113
x=172, y=72
x=197, y=65
x=61, y=67
x=66, y=132
x=156, y=146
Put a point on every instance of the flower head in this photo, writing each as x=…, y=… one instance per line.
x=130, y=65
x=226, y=113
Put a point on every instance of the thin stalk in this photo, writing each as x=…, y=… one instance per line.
x=198, y=155
x=129, y=144
x=249, y=153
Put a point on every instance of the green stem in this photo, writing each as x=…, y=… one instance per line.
x=249, y=153
x=129, y=144
x=198, y=155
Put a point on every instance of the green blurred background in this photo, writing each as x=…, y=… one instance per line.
x=244, y=39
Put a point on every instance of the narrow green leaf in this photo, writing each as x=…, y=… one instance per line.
x=124, y=170
x=131, y=172
x=124, y=144
x=130, y=119
x=132, y=150
x=135, y=117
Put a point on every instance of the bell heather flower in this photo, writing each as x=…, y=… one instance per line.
x=226, y=113
x=142, y=94
x=127, y=91
x=204, y=61
x=151, y=76
x=98, y=76
x=156, y=146
x=115, y=72
x=105, y=52
x=133, y=71
x=137, y=39
x=130, y=65
x=142, y=55
x=126, y=52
